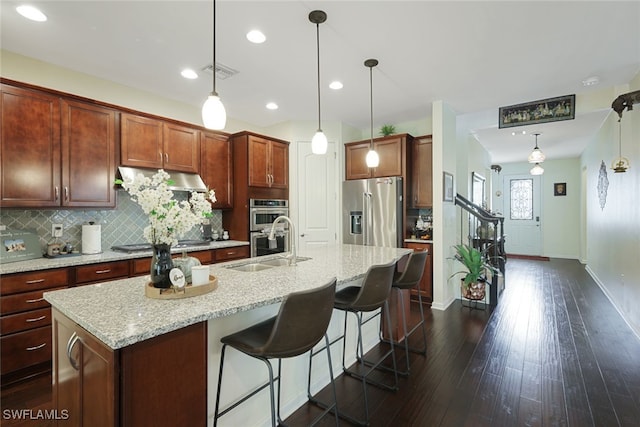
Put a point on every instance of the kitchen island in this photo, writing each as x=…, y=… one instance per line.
x=158, y=349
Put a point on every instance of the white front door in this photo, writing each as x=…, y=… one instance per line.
x=522, y=215
x=317, y=198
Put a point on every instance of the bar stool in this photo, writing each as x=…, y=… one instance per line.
x=370, y=296
x=300, y=324
x=409, y=279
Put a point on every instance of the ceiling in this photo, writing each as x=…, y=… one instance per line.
x=475, y=56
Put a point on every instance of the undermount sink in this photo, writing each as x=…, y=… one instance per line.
x=265, y=265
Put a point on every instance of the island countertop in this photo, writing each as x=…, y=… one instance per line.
x=119, y=314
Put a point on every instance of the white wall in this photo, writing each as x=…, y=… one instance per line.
x=613, y=231
x=560, y=215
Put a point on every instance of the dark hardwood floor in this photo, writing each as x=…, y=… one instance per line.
x=554, y=353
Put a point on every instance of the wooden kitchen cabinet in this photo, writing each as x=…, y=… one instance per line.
x=25, y=324
x=426, y=283
x=268, y=162
x=31, y=152
x=155, y=144
x=56, y=152
x=102, y=272
x=393, y=152
x=422, y=173
x=216, y=167
x=141, y=384
x=233, y=253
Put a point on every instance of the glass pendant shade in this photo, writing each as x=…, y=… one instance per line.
x=536, y=156
x=620, y=165
x=214, y=116
x=536, y=170
x=372, y=159
x=319, y=143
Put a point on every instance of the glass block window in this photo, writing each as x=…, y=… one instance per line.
x=521, y=199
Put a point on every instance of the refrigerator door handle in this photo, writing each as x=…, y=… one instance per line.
x=366, y=218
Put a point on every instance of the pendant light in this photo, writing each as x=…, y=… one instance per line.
x=372, y=159
x=537, y=170
x=536, y=155
x=319, y=141
x=214, y=115
x=620, y=164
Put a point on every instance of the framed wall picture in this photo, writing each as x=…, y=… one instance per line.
x=560, y=189
x=541, y=111
x=447, y=187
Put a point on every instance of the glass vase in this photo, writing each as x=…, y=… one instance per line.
x=161, y=265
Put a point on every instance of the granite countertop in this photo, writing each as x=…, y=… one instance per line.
x=119, y=314
x=106, y=256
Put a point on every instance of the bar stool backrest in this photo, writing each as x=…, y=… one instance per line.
x=302, y=321
x=413, y=271
x=375, y=288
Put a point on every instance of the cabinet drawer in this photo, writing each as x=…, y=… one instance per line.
x=140, y=266
x=24, y=302
x=102, y=272
x=25, y=321
x=227, y=254
x=25, y=349
x=24, y=282
x=205, y=257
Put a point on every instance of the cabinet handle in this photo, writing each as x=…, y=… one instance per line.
x=57, y=192
x=36, y=319
x=31, y=301
x=70, y=344
x=66, y=193
x=37, y=347
x=108, y=270
x=166, y=157
x=31, y=282
x=160, y=154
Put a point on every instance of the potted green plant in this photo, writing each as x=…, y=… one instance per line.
x=473, y=285
x=387, y=130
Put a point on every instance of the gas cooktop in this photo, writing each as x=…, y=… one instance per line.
x=142, y=247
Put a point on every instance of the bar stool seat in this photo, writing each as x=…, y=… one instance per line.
x=300, y=324
x=370, y=296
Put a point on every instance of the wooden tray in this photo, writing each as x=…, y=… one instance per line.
x=186, y=292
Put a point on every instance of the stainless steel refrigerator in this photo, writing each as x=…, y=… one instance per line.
x=372, y=212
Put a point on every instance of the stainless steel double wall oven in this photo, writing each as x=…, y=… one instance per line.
x=262, y=213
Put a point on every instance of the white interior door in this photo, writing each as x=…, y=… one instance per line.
x=522, y=215
x=317, y=198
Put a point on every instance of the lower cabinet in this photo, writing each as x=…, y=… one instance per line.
x=426, y=283
x=153, y=382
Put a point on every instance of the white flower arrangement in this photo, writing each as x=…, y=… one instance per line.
x=168, y=218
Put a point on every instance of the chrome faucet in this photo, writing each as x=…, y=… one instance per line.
x=292, y=243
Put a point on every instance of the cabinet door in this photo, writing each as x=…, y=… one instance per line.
x=259, y=162
x=391, y=154
x=141, y=142
x=422, y=179
x=30, y=152
x=216, y=167
x=84, y=376
x=355, y=161
x=181, y=148
x=88, y=155
x=279, y=165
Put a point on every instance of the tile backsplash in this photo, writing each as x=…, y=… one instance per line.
x=120, y=226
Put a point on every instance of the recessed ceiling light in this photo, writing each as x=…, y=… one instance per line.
x=272, y=106
x=335, y=85
x=188, y=73
x=591, y=81
x=256, y=36
x=524, y=132
x=31, y=13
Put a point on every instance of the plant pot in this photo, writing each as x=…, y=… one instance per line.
x=161, y=265
x=474, y=291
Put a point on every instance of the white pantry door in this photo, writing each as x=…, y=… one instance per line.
x=317, y=198
x=522, y=215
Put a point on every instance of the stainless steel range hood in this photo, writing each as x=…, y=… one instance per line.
x=182, y=181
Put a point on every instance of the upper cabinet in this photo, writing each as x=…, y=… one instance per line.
x=268, y=162
x=422, y=175
x=55, y=152
x=393, y=157
x=151, y=143
x=216, y=167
